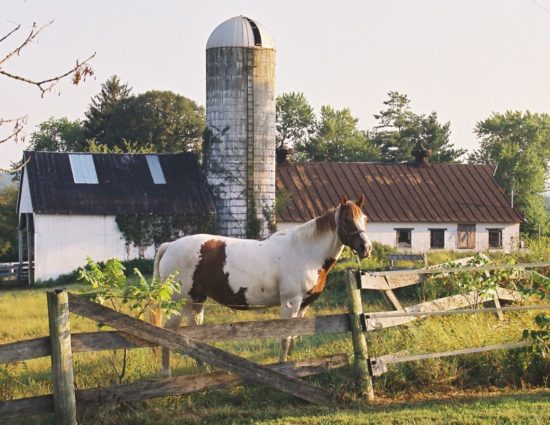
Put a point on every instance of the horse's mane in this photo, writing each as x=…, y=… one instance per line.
x=316, y=227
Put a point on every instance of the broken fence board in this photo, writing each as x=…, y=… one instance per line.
x=189, y=384
x=115, y=340
x=198, y=350
x=168, y=387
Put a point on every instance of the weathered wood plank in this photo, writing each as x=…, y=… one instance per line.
x=385, y=281
x=64, y=400
x=24, y=350
x=360, y=350
x=200, y=351
x=168, y=387
x=440, y=270
x=26, y=406
x=203, y=382
x=376, y=320
x=115, y=340
x=392, y=299
x=379, y=364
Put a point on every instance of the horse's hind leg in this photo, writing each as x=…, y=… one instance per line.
x=292, y=344
x=289, y=309
x=172, y=323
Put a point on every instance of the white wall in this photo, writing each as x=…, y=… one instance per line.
x=385, y=233
x=62, y=243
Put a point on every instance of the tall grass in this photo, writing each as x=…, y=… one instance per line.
x=24, y=316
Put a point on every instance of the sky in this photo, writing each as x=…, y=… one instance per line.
x=464, y=59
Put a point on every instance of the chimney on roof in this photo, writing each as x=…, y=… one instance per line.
x=421, y=155
x=283, y=153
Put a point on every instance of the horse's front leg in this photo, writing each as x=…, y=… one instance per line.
x=301, y=313
x=289, y=310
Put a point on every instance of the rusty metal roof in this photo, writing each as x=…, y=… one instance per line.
x=125, y=185
x=440, y=193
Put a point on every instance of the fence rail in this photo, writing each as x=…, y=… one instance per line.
x=132, y=333
x=14, y=271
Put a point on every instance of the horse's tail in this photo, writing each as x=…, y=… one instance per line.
x=158, y=257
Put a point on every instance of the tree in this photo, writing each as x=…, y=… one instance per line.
x=518, y=144
x=78, y=73
x=399, y=130
x=163, y=119
x=58, y=135
x=337, y=138
x=99, y=123
x=8, y=223
x=295, y=120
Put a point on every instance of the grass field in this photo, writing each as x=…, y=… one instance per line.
x=495, y=387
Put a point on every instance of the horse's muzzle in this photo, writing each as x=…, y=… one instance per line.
x=365, y=250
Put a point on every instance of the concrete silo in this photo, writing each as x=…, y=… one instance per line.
x=240, y=117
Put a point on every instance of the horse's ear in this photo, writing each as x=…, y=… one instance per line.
x=343, y=200
x=361, y=201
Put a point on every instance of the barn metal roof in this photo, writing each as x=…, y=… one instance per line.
x=125, y=185
x=440, y=193
x=240, y=31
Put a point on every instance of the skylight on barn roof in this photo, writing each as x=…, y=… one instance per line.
x=83, y=168
x=155, y=169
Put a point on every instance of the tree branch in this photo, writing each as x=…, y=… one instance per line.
x=10, y=33
x=80, y=71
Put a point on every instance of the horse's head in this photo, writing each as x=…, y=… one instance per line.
x=352, y=226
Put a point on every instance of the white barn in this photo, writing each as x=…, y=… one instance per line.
x=68, y=204
x=415, y=207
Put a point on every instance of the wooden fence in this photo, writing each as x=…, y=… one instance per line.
x=387, y=281
x=61, y=344
x=14, y=272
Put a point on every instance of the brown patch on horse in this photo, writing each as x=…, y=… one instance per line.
x=210, y=280
x=319, y=287
x=325, y=222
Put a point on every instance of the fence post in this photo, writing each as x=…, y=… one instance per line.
x=64, y=399
x=360, y=349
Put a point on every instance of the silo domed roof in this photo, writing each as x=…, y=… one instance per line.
x=240, y=31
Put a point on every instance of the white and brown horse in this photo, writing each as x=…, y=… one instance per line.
x=288, y=269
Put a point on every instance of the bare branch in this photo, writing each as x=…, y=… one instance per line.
x=18, y=124
x=10, y=33
x=80, y=71
x=32, y=35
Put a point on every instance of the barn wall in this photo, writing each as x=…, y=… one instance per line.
x=25, y=202
x=62, y=243
x=385, y=233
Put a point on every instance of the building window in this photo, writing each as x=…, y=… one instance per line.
x=466, y=236
x=495, y=238
x=83, y=168
x=403, y=237
x=437, y=238
x=155, y=169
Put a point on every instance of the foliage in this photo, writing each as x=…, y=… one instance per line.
x=143, y=230
x=99, y=116
x=126, y=147
x=162, y=119
x=8, y=223
x=518, y=144
x=295, y=122
x=337, y=138
x=540, y=289
x=399, y=130
x=58, y=135
x=109, y=286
